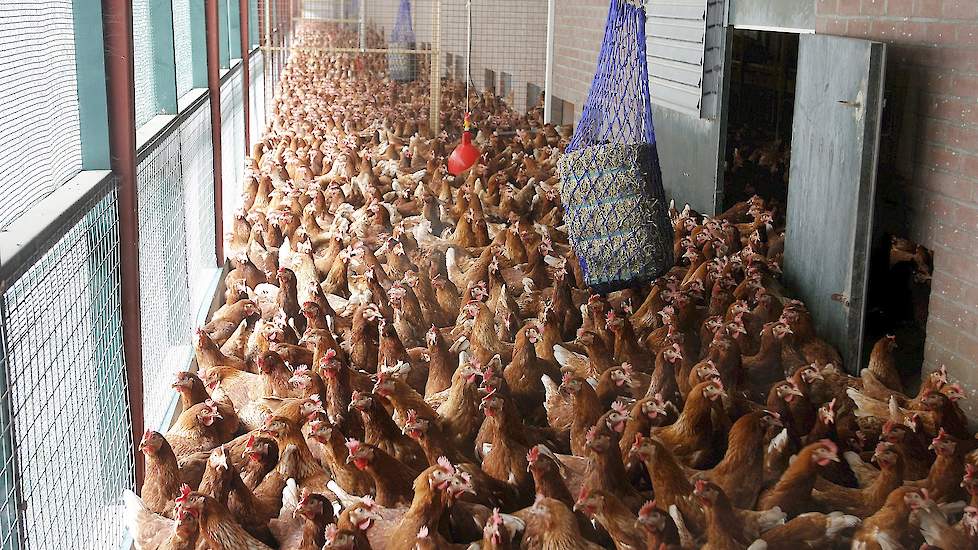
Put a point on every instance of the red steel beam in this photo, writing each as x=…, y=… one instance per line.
x=244, y=9
x=211, y=23
x=120, y=86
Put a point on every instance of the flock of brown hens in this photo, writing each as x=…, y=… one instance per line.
x=407, y=360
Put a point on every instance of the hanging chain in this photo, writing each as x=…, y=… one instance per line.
x=468, y=53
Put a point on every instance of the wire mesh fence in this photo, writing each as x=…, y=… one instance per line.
x=426, y=45
x=40, y=144
x=65, y=432
x=232, y=143
x=163, y=282
x=256, y=97
x=197, y=166
x=508, y=48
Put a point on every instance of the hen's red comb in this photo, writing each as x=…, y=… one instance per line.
x=646, y=509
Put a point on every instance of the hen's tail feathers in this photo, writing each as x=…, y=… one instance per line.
x=148, y=530
x=838, y=522
x=778, y=443
x=769, y=519
x=346, y=499
x=550, y=388
x=569, y=360
x=686, y=539
x=290, y=499
x=865, y=474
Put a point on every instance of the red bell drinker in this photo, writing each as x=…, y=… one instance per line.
x=466, y=154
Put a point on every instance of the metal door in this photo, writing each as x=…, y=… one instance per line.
x=834, y=147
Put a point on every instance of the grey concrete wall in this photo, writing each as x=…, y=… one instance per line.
x=688, y=149
x=792, y=14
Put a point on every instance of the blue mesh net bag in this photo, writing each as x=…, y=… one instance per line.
x=610, y=182
x=402, y=67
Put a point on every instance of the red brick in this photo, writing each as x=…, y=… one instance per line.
x=967, y=217
x=940, y=33
x=966, y=345
x=952, y=109
x=857, y=28
x=873, y=7
x=963, y=137
x=940, y=157
x=969, y=293
x=959, y=241
x=966, y=84
x=951, y=312
x=927, y=8
x=962, y=85
x=934, y=130
x=827, y=7
x=885, y=30
x=969, y=165
x=954, y=313
x=830, y=25
x=943, y=284
x=960, y=9
x=909, y=31
x=968, y=35
x=944, y=183
x=958, y=59
x=899, y=8
x=937, y=355
x=941, y=333
x=848, y=7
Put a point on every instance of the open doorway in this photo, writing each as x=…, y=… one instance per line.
x=763, y=68
x=897, y=301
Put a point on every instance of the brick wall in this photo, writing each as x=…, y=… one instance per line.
x=929, y=157
x=579, y=30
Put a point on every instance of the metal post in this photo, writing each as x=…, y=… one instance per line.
x=549, y=76
x=244, y=11
x=120, y=91
x=363, y=24
x=214, y=91
x=434, y=116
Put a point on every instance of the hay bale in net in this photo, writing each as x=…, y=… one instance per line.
x=610, y=182
x=402, y=67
